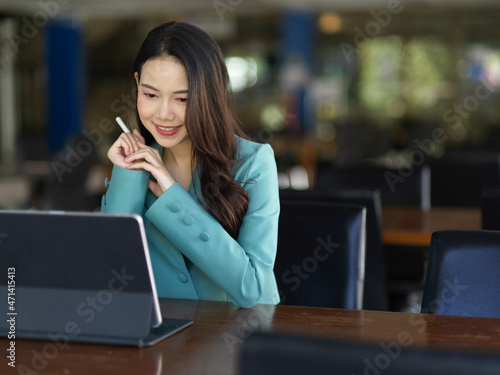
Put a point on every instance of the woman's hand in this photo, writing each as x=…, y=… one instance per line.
x=125, y=145
x=149, y=159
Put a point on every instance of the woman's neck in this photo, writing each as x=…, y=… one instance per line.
x=179, y=163
x=178, y=156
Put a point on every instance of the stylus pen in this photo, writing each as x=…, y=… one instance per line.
x=122, y=125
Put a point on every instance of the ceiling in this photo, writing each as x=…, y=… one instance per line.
x=217, y=8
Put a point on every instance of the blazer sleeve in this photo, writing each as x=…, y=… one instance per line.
x=126, y=191
x=242, y=267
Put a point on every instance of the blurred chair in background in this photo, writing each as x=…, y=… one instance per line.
x=462, y=274
x=490, y=208
x=459, y=178
x=410, y=187
x=64, y=186
x=30, y=151
x=321, y=254
x=33, y=164
x=375, y=288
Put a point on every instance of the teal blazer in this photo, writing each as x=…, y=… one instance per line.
x=193, y=257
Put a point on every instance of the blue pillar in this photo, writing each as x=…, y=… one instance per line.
x=64, y=54
x=297, y=50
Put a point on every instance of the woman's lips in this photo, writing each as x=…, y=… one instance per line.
x=167, y=130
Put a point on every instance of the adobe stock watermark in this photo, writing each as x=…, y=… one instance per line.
x=460, y=111
x=74, y=155
x=87, y=310
x=223, y=6
x=29, y=29
x=11, y=315
x=373, y=28
x=298, y=273
x=391, y=351
x=454, y=117
x=416, y=157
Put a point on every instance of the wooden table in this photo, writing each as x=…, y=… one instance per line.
x=408, y=226
x=212, y=344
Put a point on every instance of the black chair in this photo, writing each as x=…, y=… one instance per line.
x=459, y=178
x=321, y=254
x=273, y=353
x=31, y=149
x=405, y=187
x=375, y=288
x=463, y=274
x=64, y=186
x=490, y=208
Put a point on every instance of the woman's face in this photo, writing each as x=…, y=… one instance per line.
x=162, y=94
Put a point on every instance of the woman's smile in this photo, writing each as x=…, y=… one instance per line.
x=168, y=130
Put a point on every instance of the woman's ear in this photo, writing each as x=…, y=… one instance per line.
x=136, y=76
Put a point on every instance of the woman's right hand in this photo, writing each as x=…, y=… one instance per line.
x=124, y=146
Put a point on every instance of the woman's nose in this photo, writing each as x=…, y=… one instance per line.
x=165, y=111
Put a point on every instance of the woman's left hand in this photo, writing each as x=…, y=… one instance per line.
x=149, y=159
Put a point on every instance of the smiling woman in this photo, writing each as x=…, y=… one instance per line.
x=209, y=196
x=164, y=98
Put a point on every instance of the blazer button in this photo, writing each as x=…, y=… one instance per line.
x=188, y=220
x=182, y=278
x=204, y=236
x=175, y=207
x=106, y=182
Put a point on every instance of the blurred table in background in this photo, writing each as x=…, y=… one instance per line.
x=408, y=226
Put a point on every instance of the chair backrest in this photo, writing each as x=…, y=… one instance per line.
x=64, y=187
x=321, y=254
x=459, y=178
x=490, y=208
x=272, y=353
x=375, y=288
x=463, y=274
x=405, y=187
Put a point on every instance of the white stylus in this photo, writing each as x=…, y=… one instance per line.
x=122, y=125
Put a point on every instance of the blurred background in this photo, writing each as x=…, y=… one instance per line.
x=337, y=83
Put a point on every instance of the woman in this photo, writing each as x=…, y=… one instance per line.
x=208, y=196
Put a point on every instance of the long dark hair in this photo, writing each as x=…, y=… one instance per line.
x=209, y=121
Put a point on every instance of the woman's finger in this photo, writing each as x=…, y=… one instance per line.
x=132, y=141
x=138, y=136
x=147, y=154
x=162, y=176
x=125, y=145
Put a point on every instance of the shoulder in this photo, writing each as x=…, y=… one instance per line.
x=248, y=150
x=253, y=156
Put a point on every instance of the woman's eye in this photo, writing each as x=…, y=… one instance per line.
x=148, y=95
x=183, y=100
